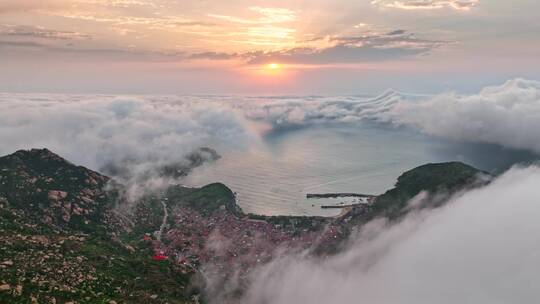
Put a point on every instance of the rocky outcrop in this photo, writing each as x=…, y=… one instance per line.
x=49, y=187
x=63, y=241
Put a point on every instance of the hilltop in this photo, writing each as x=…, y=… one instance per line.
x=440, y=178
x=438, y=181
x=51, y=190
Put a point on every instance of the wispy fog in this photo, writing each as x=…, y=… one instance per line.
x=481, y=248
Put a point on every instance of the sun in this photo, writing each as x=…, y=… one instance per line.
x=274, y=66
x=273, y=70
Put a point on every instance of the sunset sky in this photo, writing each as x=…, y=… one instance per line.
x=265, y=47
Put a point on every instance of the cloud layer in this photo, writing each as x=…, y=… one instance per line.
x=477, y=249
x=97, y=131
x=507, y=115
x=39, y=33
x=368, y=47
x=462, y=5
x=151, y=131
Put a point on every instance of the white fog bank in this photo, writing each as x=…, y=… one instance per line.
x=96, y=129
x=483, y=247
x=142, y=133
x=507, y=115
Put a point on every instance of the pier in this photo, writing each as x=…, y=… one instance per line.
x=336, y=195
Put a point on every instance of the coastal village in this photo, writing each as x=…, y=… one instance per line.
x=224, y=247
x=226, y=241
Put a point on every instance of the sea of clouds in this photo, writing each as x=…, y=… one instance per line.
x=506, y=115
x=482, y=247
x=104, y=131
x=145, y=132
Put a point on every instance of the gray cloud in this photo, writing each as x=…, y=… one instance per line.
x=341, y=53
x=477, y=249
x=426, y=4
x=394, y=45
x=396, y=32
x=68, y=46
x=213, y=56
x=40, y=33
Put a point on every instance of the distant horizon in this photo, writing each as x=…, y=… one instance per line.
x=372, y=93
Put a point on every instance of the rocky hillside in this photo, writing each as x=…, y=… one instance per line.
x=51, y=190
x=60, y=240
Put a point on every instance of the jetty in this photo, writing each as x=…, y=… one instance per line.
x=336, y=195
x=338, y=206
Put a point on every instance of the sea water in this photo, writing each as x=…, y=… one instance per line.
x=274, y=178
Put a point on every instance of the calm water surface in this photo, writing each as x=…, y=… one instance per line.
x=274, y=178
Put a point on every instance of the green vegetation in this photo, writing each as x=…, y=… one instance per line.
x=443, y=178
x=297, y=223
x=207, y=199
x=87, y=270
x=60, y=240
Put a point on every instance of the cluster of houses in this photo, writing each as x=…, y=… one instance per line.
x=226, y=241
